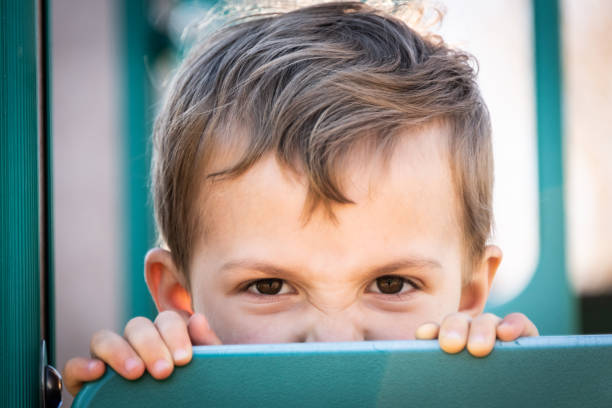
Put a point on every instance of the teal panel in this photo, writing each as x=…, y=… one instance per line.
x=548, y=300
x=20, y=284
x=137, y=118
x=560, y=371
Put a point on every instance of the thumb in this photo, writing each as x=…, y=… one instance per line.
x=200, y=332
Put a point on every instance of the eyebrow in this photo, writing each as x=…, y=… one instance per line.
x=388, y=268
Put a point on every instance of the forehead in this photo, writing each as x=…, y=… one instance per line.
x=402, y=203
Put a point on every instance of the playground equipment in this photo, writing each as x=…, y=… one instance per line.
x=564, y=371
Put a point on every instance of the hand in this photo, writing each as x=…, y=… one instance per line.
x=479, y=334
x=157, y=346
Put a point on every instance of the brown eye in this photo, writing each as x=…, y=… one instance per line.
x=390, y=284
x=269, y=286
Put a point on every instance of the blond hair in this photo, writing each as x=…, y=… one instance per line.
x=307, y=85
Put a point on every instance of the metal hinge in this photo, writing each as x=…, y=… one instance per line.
x=50, y=381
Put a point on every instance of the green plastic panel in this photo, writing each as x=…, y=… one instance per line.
x=137, y=118
x=20, y=269
x=572, y=371
x=548, y=300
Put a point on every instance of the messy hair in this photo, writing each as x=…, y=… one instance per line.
x=308, y=85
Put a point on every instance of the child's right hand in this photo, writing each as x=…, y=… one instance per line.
x=157, y=346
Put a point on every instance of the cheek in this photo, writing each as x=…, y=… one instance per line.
x=429, y=307
x=249, y=329
x=392, y=327
x=403, y=325
x=233, y=325
x=449, y=297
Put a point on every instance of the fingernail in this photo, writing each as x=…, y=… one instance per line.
x=477, y=338
x=451, y=335
x=426, y=330
x=131, y=364
x=93, y=365
x=161, y=366
x=181, y=355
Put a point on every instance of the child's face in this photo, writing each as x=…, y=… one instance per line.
x=263, y=275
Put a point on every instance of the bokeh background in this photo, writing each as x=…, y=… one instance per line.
x=110, y=63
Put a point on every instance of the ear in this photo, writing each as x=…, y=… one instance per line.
x=166, y=284
x=474, y=294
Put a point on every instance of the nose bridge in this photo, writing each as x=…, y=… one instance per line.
x=335, y=326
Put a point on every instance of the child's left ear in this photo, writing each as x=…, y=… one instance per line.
x=475, y=293
x=166, y=284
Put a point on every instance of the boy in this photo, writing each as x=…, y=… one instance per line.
x=319, y=175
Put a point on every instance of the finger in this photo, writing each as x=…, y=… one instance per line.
x=173, y=331
x=516, y=325
x=481, y=339
x=427, y=331
x=453, y=332
x=143, y=336
x=80, y=370
x=200, y=332
x=117, y=353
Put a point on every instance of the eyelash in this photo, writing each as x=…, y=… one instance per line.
x=251, y=287
x=408, y=286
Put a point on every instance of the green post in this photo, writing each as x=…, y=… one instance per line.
x=137, y=118
x=24, y=262
x=548, y=300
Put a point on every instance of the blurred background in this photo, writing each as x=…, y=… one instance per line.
x=550, y=98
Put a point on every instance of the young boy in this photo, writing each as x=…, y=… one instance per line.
x=319, y=175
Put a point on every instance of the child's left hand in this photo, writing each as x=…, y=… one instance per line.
x=479, y=334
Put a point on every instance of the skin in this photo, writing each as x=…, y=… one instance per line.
x=404, y=226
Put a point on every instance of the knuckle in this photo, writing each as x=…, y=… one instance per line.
x=167, y=317
x=466, y=318
x=490, y=316
x=170, y=314
x=447, y=319
x=135, y=323
x=140, y=338
x=516, y=316
x=456, y=320
x=99, y=340
x=461, y=316
x=174, y=330
x=487, y=320
x=69, y=369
